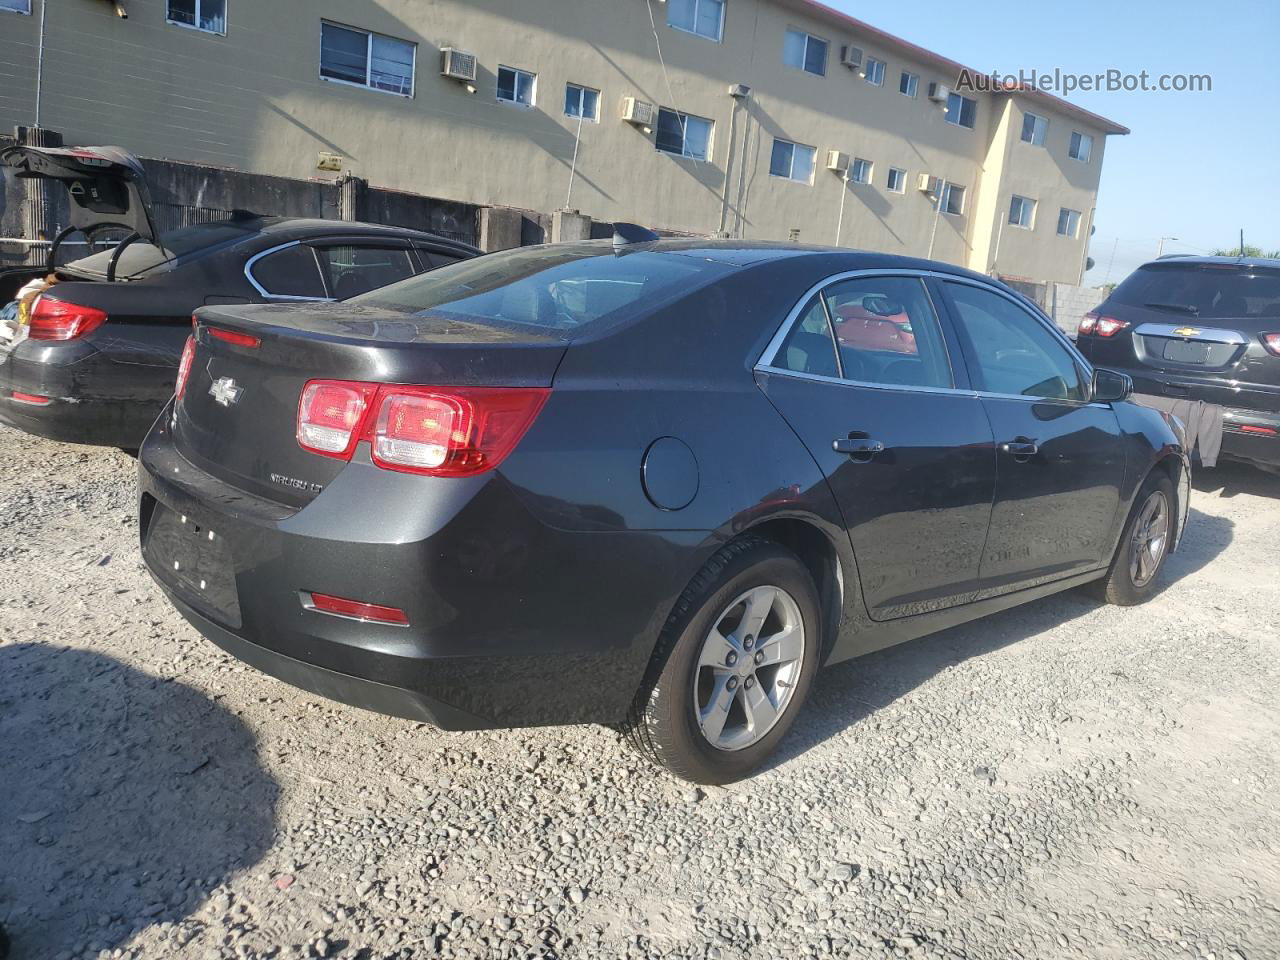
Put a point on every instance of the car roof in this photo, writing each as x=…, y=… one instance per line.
x=293, y=228
x=1215, y=261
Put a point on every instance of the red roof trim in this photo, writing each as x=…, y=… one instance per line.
x=928, y=56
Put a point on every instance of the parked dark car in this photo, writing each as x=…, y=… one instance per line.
x=638, y=483
x=1201, y=328
x=93, y=359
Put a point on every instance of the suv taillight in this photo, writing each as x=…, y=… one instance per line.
x=1088, y=323
x=59, y=320
x=1103, y=326
x=437, y=431
x=1272, y=342
x=184, y=367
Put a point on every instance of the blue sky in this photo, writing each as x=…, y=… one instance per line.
x=1198, y=166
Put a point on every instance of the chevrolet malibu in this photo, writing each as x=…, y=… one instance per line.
x=642, y=482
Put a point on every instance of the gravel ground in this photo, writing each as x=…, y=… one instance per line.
x=1063, y=780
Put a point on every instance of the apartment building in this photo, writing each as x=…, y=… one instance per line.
x=749, y=118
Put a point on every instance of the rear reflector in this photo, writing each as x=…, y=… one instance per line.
x=231, y=336
x=184, y=367
x=33, y=399
x=1272, y=342
x=437, y=431
x=59, y=320
x=330, y=413
x=1262, y=431
x=357, y=610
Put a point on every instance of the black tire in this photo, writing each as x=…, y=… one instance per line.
x=1119, y=586
x=663, y=724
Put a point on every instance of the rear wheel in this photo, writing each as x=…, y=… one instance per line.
x=732, y=667
x=1144, y=545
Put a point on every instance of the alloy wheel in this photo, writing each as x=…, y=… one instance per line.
x=1149, y=539
x=748, y=668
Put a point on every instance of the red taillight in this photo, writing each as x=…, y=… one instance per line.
x=330, y=413
x=231, y=336
x=184, y=367
x=357, y=610
x=1089, y=323
x=438, y=431
x=31, y=399
x=59, y=320
x=1261, y=431
x=1272, y=342
x=1110, y=326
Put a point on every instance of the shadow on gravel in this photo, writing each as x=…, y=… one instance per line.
x=851, y=691
x=1231, y=478
x=125, y=800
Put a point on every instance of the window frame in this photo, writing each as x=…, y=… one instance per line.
x=581, y=88
x=518, y=71
x=1071, y=144
x=944, y=199
x=1073, y=234
x=959, y=121
x=902, y=184
x=883, y=71
x=284, y=297
x=718, y=38
x=1039, y=123
x=813, y=166
x=1022, y=208
x=27, y=12
x=368, y=61
x=808, y=38
x=868, y=166
x=226, y=16
x=684, y=135
x=911, y=80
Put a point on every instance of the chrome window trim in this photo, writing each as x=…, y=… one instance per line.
x=766, y=362
x=267, y=294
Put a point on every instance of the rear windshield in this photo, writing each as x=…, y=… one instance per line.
x=140, y=257
x=560, y=288
x=1207, y=291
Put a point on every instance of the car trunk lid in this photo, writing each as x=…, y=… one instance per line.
x=237, y=418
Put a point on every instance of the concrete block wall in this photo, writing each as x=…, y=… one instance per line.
x=1068, y=304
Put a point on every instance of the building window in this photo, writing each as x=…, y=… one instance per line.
x=1081, y=146
x=1022, y=212
x=860, y=170
x=909, y=84
x=16, y=6
x=897, y=182
x=874, y=72
x=207, y=15
x=1068, y=222
x=953, y=199
x=703, y=17
x=962, y=111
x=683, y=135
x=366, y=59
x=794, y=161
x=1034, y=129
x=805, y=52
x=516, y=86
x=581, y=102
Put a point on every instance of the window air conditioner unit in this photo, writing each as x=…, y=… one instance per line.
x=930, y=184
x=851, y=57
x=458, y=64
x=837, y=162
x=640, y=112
x=939, y=92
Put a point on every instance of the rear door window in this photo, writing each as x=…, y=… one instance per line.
x=290, y=272
x=356, y=269
x=809, y=348
x=1010, y=350
x=888, y=332
x=1206, y=291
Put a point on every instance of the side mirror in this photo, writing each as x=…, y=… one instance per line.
x=1111, y=387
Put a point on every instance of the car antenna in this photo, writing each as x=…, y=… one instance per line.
x=628, y=234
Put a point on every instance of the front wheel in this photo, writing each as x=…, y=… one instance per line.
x=1144, y=545
x=732, y=667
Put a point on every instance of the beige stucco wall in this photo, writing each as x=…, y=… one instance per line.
x=254, y=100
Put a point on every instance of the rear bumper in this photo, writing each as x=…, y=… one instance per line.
x=512, y=622
x=1251, y=436
x=91, y=397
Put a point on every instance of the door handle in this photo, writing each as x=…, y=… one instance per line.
x=1021, y=448
x=857, y=446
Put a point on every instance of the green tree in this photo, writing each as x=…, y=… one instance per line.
x=1249, y=251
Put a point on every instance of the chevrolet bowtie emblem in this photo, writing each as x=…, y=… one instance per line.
x=1186, y=332
x=225, y=391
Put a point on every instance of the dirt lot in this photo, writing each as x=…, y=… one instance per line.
x=1064, y=780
